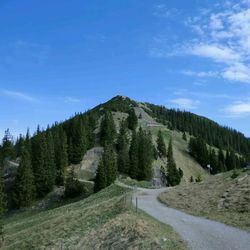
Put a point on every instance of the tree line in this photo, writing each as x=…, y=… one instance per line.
x=198, y=126
x=217, y=160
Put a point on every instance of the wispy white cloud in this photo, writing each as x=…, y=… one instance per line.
x=18, y=96
x=200, y=74
x=185, y=103
x=222, y=35
x=238, y=109
x=69, y=99
x=225, y=39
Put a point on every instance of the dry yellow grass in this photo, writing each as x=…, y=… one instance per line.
x=218, y=197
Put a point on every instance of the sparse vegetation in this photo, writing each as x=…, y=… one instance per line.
x=218, y=197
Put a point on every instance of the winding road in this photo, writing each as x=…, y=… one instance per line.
x=199, y=233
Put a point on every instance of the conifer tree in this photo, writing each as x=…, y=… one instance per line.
x=79, y=141
x=123, y=149
x=108, y=129
x=173, y=174
x=2, y=205
x=61, y=155
x=110, y=164
x=184, y=136
x=7, y=146
x=132, y=119
x=161, y=145
x=100, y=179
x=133, y=156
x=145, y=155
x=41, y=163
x=24, y=190
x=221, y=161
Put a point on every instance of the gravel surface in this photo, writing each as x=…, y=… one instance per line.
x=199, y=233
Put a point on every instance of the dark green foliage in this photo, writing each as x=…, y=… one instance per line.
x=198, y=179
x=7, y=149
x=61, y=155
x=118, y=104
x=198, y=149
x=107, y=130
x=133, y=156
x=24, y=190
x=123, y=149
x=198, y=126
x=235, y=174
x=191, y=179
x=78, y=141
x=161, y=145
x=184, y=136
x=110, y=164
x=42, y=163
x=141, y=155
x=73, y=187
x=2, y=204
x=174, y=175
x=107, y=168
x=132, y=119
x=100, y=179
x=145, y=155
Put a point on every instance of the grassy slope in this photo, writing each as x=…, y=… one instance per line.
x=102, y=221
x=218, y=198
x=180, y=149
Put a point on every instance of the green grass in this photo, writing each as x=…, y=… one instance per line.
x=180, y=150
x=134, y=183
x=105, y=220
x=219, y=198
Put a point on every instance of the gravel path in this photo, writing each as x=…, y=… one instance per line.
x=199, y=233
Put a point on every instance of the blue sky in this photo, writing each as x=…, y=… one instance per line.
x=61, y=57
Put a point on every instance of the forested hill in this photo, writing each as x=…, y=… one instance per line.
x=198, y=126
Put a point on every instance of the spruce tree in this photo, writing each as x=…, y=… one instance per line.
x=110, y=164
x=100, y=179
x=145, y=155
x=184, y=136
x=221, y=161
x=79, y=141
x=107, y=129
x=24, y=189
x=133, y=156
x=7, y=146
x=132, y=119
x=61, y=155
x=2, y=205
x=42, y=164
x=173, y=174
x=123, y=149
x=161, y=145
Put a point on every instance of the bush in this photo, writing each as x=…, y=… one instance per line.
x=235, y=174
x=73, y=187
x=199, y=178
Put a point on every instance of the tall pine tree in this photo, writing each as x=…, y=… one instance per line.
x=123, y=149
x=24, y=190
x=161, y=147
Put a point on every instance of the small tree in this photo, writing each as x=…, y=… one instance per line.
x=73, y=187
x=161, y=145
x=132, y=119
x=184, y=136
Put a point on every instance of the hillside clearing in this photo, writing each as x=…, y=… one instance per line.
x=218, y=198
x=103, y=221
